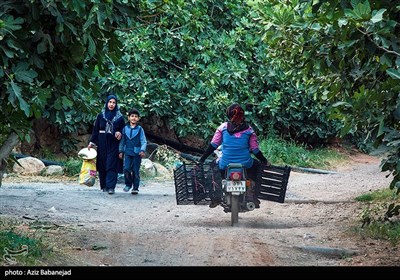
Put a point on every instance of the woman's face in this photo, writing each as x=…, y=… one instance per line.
x=111, y=104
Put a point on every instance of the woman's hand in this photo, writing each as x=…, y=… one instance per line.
x=91, y=145
x=118, y=135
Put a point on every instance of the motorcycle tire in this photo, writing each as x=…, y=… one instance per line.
x=234, y=210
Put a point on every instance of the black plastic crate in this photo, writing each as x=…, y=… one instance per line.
x=197, y=184
x=272, y=182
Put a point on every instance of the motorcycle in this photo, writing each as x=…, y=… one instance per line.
x=237, y=192
x=202, y=184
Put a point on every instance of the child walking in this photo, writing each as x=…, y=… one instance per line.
x=132, y=147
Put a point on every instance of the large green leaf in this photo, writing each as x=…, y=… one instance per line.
x=15, y=94
x=23, y=74
x=394, y=73
x=91, y=46
x=377, y=16
x=11, y=24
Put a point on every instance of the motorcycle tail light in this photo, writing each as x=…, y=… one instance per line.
x=236, y=176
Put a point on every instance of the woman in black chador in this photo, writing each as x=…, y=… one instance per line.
x=106, y=136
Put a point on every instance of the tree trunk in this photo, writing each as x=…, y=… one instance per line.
x=5, y=151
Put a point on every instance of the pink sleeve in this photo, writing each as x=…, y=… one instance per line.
x=253, y=142
x=217, y=138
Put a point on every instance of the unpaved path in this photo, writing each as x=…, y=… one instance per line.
x=312, y=227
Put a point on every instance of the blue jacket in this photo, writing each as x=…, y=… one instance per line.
x=236, y=148
x=133, y=140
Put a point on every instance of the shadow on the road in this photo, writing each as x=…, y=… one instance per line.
x=224, y=222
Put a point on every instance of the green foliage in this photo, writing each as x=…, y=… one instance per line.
x=186, y=59
x=49, y=53
x=188, y=64
x=165, y=156
x=385, y=231
x=72, y=167
x=345, y=53
x=377, y=196
x=282, y=152
x=380, y=210
x=68, y=143
x=11, y=241
x=47, y=154
x=17, y=247
x=29, y=244
x=182, y=61
x=392, y=162
x=377, y=216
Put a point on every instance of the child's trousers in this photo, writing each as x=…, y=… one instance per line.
x=132, y=171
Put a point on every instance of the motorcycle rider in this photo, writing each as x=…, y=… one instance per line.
x=238, y=141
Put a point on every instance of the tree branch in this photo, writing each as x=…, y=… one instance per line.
x=376, y=44
x=7, y=147
x=5, y=151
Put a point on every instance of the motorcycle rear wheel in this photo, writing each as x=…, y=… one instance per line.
x=234, y=210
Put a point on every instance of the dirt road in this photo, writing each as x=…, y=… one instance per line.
x=312, y=227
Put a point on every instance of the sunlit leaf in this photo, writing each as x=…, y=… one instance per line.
x=394, y=73
x=377, y=16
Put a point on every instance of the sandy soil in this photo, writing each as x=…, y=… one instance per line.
x=312, y=227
